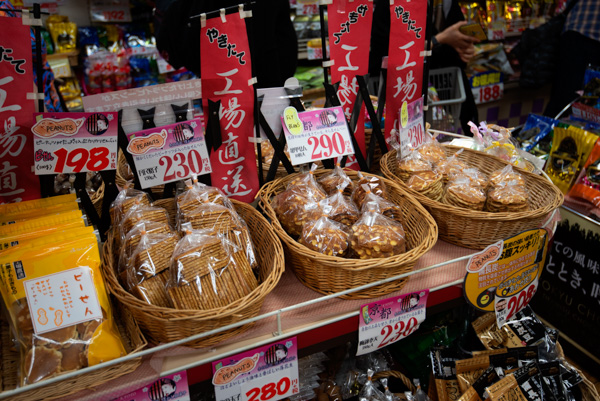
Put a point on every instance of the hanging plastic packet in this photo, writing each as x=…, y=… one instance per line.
x=477, y=391
x=149, y=272
x=342, y=209
x=587, y=185
x=369, y=391
x=462, y=193
x=139, y=213
x=450, y=165
x=60, y=285
x=524, y=329
x=506, y=175
x=307, y=184
x=374, y=183
x=550, y=372
x=524, y=384
x=443, y=364
x=127, y=198
x=336, y=178
x=376, y=236
x=208, y=272
x=387, y=394
x=487, y=330
x=420, y=395
x=570, y=149
x=375, y=203
x=326, y=236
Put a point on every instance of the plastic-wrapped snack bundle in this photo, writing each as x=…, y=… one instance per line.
x=523, y=384
x=375, y=203
x=469, y=370
x=387, y=394
x=326, y=236
x=420, y=395
x=369, y=390
x=375, y=184
x=474, y=175
x=341, y=208
x=127, y=198
x=487, y=330
x=413, y=163
x=149, y=272
x=196, y=194
x=461, y=192
x=140, y=213
x=307, y=184
x=504, y=175
x=376, y=236
x=336, y=178
x=509, y=197
x=432, y=151
x=427, y=183
x=450, y=165
x=207, y=272
x=291, y=209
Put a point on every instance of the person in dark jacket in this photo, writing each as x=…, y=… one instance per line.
x=271, y=36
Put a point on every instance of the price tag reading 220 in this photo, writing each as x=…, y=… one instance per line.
x=316, y=135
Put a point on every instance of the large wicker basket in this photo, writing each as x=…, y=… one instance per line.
x=133, y=340
x=161, y=325
x=476, y=230
x=330, y=274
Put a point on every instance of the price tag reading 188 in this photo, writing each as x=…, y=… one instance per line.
x=316, y=135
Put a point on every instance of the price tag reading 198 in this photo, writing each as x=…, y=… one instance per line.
x=76, y=160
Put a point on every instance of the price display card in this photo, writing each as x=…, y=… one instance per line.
x=316, y=135
x=267, y=373
x=172, y=387
x=75, y=142
x=504, y=276
x=110, y=11
x=169, y=153
x=487, y=86
x=384, y=322
x=412, y=132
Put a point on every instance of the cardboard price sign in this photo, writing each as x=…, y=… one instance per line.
x=172, y=387
x=110, y=11
x=267, y=373
x=412, y=132
x=74, y=142
x=487, y=86
x=384, y=322
x=170, y=153
x=316, y=135
x=504, y=276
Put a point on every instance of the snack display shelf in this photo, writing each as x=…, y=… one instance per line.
x=290, y=310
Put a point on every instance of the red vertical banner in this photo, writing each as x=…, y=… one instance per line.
x=226, y=74
x=406, y=55
x=349, y=40
x=17, y=179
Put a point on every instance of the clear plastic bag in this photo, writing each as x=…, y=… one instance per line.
x=127, y=198
x=336, y=178
x=377, y=204
x=461, y=192
x=508, y=197
x=505, y=175
x=375, y=184
x=428, y=183
x=207, y=272
x=376, y=236
x=307, y=184
x=291, y=209
x=341, y=208
x=326, y=236
x=413, y=163
x=387, y=394
x=450, y=165
x=432, y=151
x=140, y=213
x=196, y=194
x=474, y=175
x=369, y=390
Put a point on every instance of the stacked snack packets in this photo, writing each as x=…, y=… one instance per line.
x=53, y=291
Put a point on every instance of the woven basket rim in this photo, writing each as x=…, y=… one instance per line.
x=172, y=314
x=266, y=193
x=473, y=214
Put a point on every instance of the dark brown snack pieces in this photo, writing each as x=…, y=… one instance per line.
x=332, y=181
x=375, y=184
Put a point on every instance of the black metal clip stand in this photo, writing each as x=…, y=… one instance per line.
x=377, y=136
x=123, y=143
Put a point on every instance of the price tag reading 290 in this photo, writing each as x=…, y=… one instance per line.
x=316, y=135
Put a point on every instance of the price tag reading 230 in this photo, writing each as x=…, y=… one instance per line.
x=316, y=135
x=384, y=322
x=169, y=153
x=74, y=142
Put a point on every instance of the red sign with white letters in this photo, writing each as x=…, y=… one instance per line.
x=405, y=60
x=349, y=41
x=226, y=76
x=17, y=180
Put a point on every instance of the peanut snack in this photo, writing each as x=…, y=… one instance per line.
x=376, y=236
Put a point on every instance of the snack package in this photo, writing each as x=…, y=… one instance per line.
x=340, y=207
x=469, y=370
x=208, y=272
x=432, y=151
x=570, y=149
x=461, y=192
x=291, y=208
x=477, y=391
x=524, y=384
x=474, y=175
x=450, y=165
x=375, y=184
x=306, y=183
x=552, y=379
x=336, y=178
x=387, y=394
x=27, y=215
x=487, y=330
x=505, y=175
x=326, y=236
x=369, y=391
x=587, y=185
x=428, y=183
x=196, y=194
x=443, y=364
x=524, y=329
x=149, y=272
x=42, y=203
x=509, y=197
x=57, y=236
x=376, y=236
x=64, y=36
x=412, y=164
x=60, y=285
x=127, y=198
x=420, y=395
x=375, y=203
x=535, y=129
x=140, y=212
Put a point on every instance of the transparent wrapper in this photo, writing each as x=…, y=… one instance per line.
x=291, y=208
x=450, y=166
x=369, y=391
x=336, y=178
x=127, y=198
x=307, y=184
x=140, y=213
x=504, y=175
x=474, y=175
x=432, y=151
x=376, y=204
x=64, y=339
x=341, y=208
x=509, y=197
x=488, y=332
x=524, y=384
x=326, y=236
x=376, y=236
x=196, y=194
x=524, y=329
x=420, y=395
x=428, y=183
x=411, y=164
x=387, y=394
x=461, y=192
x=552, y=378
x=208, y=272
x=148, y=273
x=375, y=184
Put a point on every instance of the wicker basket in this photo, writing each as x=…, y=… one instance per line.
x=474, y=229
x=329, y=274
x=133, y=340
x=97, y=198
x=162, y=325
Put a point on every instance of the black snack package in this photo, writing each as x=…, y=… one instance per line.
x=444, y=371
x=524, y=329
x=551, y=375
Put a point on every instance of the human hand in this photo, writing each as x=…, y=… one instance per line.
x=463, y=44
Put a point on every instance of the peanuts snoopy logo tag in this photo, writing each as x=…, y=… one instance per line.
x=227, y=374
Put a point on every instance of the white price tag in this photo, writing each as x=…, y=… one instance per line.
x=316, y=135
x=62, y=299
x=384, y=322
x=75, y=142
x=507, y=307
x=170, y=153
x=488, y=93
x=271, y=387
x=411, y=131
x=110, y=11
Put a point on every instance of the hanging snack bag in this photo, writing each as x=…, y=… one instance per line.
x=208, y=272
x=524, y=329
x=427, y=183
x=587, y=186
x=375, y=184
x=477, y=391
x=369, y=390
x=341, y=208
x=291, y=208
x=326, y=236
x=336, y=178
x=127, y=198
x=461, y=192
x=376, y=236
x=487, y=330
x=505, y=175
x=58, y=307
x=443, y=363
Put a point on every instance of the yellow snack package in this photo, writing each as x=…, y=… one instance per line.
x=21, y=216
x=8, y=208
x=43, y=238
x=29, y=228
x=58, y=307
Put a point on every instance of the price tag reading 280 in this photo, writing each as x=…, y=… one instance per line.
x=384, y=322
x=316, y=135
x=170, y=153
